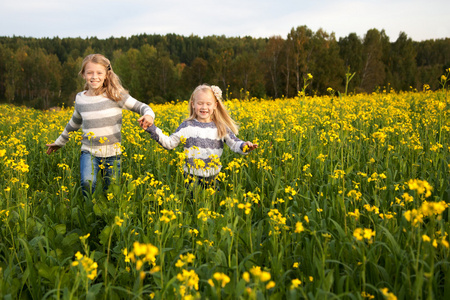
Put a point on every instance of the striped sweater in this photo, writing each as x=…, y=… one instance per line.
x=101, y=121
x=202, y=145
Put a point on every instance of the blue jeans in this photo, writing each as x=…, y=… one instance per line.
x=90, y=165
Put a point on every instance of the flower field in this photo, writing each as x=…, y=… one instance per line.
x=345, y=198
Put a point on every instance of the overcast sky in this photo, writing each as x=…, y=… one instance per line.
x=420, y=20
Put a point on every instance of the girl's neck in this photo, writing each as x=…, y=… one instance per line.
x=204, y=121
x=90, y=93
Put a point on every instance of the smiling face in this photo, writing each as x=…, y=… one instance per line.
x=94, y=75
x=204, y=105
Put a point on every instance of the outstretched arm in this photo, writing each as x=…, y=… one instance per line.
x=73, y=125
x=145, y=121
x=147, y=114
x=167, y=142
x=249, y=146
x=52, y=148
x=237, y=145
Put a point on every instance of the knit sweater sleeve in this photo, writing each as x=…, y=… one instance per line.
x=167, y=142
x=73, y=125
x=138, y=107
x=235, y=144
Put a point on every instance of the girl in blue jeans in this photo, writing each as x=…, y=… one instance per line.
x=98, y=112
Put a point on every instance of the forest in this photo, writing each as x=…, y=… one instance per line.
x=43, y=72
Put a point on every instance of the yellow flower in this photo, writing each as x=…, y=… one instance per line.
x=435, y=243
x=118, y=221
x=354, y=214
x=286, y=157
x=295, y=283
x=142, y=253
x=90, y=135
x=221, y=278
x=270, y=285
x=193, y=232
x=290, y=190
x=211, y=283
x=87, y=264
x=167, y=216
x=125, y=253
x=368, y=233
x=361, y=234
x=299, y=227
x=255, y=270
x=226, y=229
x=387, y=294
x=264, y=276
x=84, y=238
x=367, y=295
x=189, y=279
x=421, y=186
x=246, y=277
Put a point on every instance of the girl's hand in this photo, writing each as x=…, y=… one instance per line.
x=249, y=146
x=52, y=148
x=145, y=121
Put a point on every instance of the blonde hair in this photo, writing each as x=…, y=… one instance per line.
x=112, y=87
x=221, y=116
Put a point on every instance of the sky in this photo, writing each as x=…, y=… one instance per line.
x=420, y=20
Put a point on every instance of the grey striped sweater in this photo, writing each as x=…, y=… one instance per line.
x=202, y=145
x=101, y=121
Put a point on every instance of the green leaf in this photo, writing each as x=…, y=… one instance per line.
x=104, y=235
x=94, y=291
x=71, y=239
x=60, y=229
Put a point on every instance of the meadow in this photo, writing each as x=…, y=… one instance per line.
x=345, y=198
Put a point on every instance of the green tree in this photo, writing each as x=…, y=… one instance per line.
x=300, y=50
x=246, y=72
x=432, y=59
x=271, y=60
x=127, y=67
x=220, y=65
x=148, y=72
x=71, y=82
x=195, y=74
x=351, y=52
x=402, y=64
x=373, y=71
x=327, y=66
x=166, y=79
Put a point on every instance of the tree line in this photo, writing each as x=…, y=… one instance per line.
x=42, y=72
